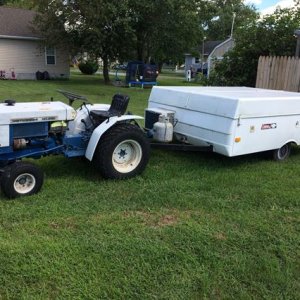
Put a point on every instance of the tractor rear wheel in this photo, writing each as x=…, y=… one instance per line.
x=123, y=152
x=21, y=179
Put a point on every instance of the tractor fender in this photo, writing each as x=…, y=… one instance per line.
x=101, y=129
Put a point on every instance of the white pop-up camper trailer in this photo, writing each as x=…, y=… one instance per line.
x=231, y=120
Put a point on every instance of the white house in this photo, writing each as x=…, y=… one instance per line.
x=22, y=51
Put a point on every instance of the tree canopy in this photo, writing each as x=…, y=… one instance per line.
x=217, y=17
x=164, y=29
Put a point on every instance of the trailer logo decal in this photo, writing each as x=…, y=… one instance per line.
x=268, y=126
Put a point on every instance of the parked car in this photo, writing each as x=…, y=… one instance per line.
x=119, y=67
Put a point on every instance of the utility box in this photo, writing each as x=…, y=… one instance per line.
x=233, y=120
x=188, y=75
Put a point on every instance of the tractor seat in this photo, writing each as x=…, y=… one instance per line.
x=117, y=108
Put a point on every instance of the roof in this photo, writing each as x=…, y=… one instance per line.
x=16, y=22
x=209, y=46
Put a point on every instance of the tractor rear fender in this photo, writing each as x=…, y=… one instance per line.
x=101, y=129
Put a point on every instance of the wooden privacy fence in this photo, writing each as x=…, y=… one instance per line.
x=278, y=73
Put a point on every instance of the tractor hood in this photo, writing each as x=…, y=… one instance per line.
x=28, y=112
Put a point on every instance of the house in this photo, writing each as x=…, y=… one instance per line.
x=22, y=51
x=209, y=52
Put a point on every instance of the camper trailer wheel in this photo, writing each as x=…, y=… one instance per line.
x=21, y=179
x=282, y=153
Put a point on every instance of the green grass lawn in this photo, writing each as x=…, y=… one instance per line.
x=192, y=226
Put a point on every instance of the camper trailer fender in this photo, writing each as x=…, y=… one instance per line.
x=290, y=141
x=102, y=128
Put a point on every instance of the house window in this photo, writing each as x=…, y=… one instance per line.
x=50, y=56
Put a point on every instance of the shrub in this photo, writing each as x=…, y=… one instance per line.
x=201, y=79
x=88, y=67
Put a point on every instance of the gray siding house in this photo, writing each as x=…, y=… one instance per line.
x=218, y=53
x=209, y=52
x=22, y=51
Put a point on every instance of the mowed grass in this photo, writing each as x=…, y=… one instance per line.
x=192, y=226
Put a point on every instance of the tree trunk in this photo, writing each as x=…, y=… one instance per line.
x=105, y=70
x=160, y=65
x=140, y=53
x=140, y=49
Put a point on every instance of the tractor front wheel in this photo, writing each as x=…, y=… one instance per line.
x=122, y=152
x=21, y=179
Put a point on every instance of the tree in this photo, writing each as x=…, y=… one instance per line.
x=272, y=35
x=219, y=18
x=100, y=28
x=163, y=29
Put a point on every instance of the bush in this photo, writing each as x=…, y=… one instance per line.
x=88, y=67
x=201, y=79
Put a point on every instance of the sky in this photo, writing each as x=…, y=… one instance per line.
x=269, y=6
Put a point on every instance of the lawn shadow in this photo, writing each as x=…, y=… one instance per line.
x=212, y=161
x=57, y=167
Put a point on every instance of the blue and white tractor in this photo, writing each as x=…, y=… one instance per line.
x=102, y=133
